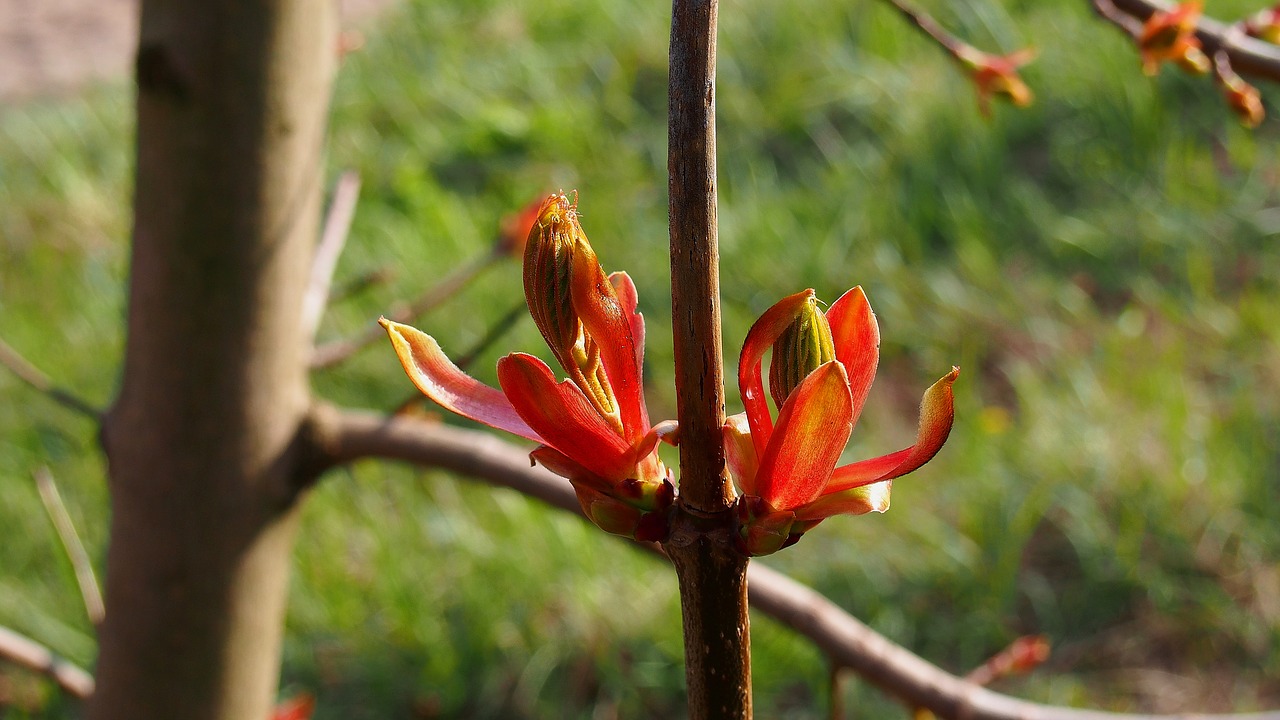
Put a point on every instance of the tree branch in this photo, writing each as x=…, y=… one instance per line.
x=1249, y=56
x=1127, y=23
x=31, y=375
x=930, y=28
x=334, y=352
x=345, y=436
x=27, y=653
x=337, y=225
x=901, y=673
x=85, y=578
x=695, y=255
x=712, y=573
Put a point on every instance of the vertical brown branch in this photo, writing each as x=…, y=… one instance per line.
x=712, y=574
x=695, y=272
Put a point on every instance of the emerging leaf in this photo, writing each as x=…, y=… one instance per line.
x=799, y=350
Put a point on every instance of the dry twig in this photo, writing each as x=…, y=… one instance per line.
x=337, y=226
x=336, y=351
x=31, y=375
x=1129, y=24
x=930, y=27
x=85, y=578
x=27, y=653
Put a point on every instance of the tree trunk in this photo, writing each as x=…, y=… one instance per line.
x=201, y=443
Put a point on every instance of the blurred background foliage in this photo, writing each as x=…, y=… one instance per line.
x=1102, y=266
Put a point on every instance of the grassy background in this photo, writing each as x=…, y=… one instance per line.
x=1101, y=265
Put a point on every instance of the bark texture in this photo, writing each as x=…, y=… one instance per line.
x=695, y=253
x=202, y=440
x=712, y=574
x=713, y=605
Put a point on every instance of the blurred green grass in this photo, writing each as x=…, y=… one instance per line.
x=1101, y=265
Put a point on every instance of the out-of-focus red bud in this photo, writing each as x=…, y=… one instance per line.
x=1171, y=36
x=298, y=707
x=1264, y=25
x=349, y=41
x=997, y=76
x=1028, y=653
x=1243, y=98
x=513, y=233
x=1020, y=656
x=1193, y=61
x=1245, y=101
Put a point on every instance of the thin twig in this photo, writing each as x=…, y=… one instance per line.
x=1022, y=655
x=836, y=683
x=31, y=375
x=1112, y=14
x=931, y=28
x=492, y=335
x=337, y=226
x=360, y=283
x=71, y=544
x=336, y=351
x=344, y=436
x=27, y=653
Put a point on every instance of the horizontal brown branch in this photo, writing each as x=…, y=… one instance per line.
x=344, y=436
x=348, y=435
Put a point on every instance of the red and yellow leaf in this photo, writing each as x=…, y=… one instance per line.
x=856, y=336
x=609, y=324
x=854, y=501
x=760, y=338
x=813, y=427
x=937, y=411
x=563, y=416
x=448, y=386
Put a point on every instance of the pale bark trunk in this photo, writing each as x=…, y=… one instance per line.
x=232, y=100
